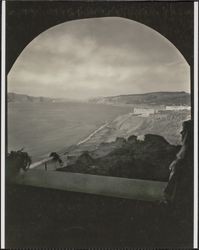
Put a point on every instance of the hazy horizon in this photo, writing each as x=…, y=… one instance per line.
x=99, y=57
x=97, y=96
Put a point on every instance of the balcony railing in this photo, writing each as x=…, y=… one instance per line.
x=94, y=184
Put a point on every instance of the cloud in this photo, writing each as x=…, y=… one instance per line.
x=99, y=57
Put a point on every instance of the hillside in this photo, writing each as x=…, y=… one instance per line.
x=154, y=98
x=167, y=124
x=148, y=159
x=14, y=97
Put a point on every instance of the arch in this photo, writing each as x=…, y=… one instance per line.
x=26, y=20
x=133, y=43
x=155, y=32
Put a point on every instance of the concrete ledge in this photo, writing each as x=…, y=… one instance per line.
x=101, y=185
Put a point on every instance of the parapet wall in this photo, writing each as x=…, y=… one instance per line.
x=101, y=185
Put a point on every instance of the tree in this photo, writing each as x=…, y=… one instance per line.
x=15, y=161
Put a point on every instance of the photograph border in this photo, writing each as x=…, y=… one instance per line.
x=3, y=120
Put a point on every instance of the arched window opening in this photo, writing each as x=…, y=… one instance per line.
x=108, y=94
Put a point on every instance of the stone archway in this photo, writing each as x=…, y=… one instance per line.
x=26, y=20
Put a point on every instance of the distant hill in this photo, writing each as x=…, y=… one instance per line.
x=154, y=98
x=13, y=97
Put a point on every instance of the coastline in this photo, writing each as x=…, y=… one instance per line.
x=93, y=133
x=103, y=139
x=167, y=125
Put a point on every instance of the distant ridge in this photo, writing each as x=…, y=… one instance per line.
x=22, y=98
x=13, y=97
x=153, y=98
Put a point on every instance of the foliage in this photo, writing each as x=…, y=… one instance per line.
x=15, y=161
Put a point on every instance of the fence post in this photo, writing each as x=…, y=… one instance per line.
x=45, y=164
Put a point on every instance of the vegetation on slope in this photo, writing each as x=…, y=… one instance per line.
x=148, y=159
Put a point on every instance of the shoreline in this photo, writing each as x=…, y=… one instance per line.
x=122, y=126
x=127, y=116
x=92, y=134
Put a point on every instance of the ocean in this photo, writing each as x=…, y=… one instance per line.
x=41, y=128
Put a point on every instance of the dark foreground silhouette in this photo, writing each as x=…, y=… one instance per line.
x=16, y=161
x=179, y=191
x=38, y=217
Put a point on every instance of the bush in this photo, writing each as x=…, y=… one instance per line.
x=15, y=161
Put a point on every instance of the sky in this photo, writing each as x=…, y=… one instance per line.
x=97, y=57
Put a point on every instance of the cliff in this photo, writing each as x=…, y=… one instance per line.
x=21, y=98
x=13, y=97
x=154, y=98
x=132, y=158
x=166, y=124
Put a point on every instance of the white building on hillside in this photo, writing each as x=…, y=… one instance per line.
x=144, y=111
x=178, y=108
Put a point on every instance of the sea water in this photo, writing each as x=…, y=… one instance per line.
x=41, y=128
